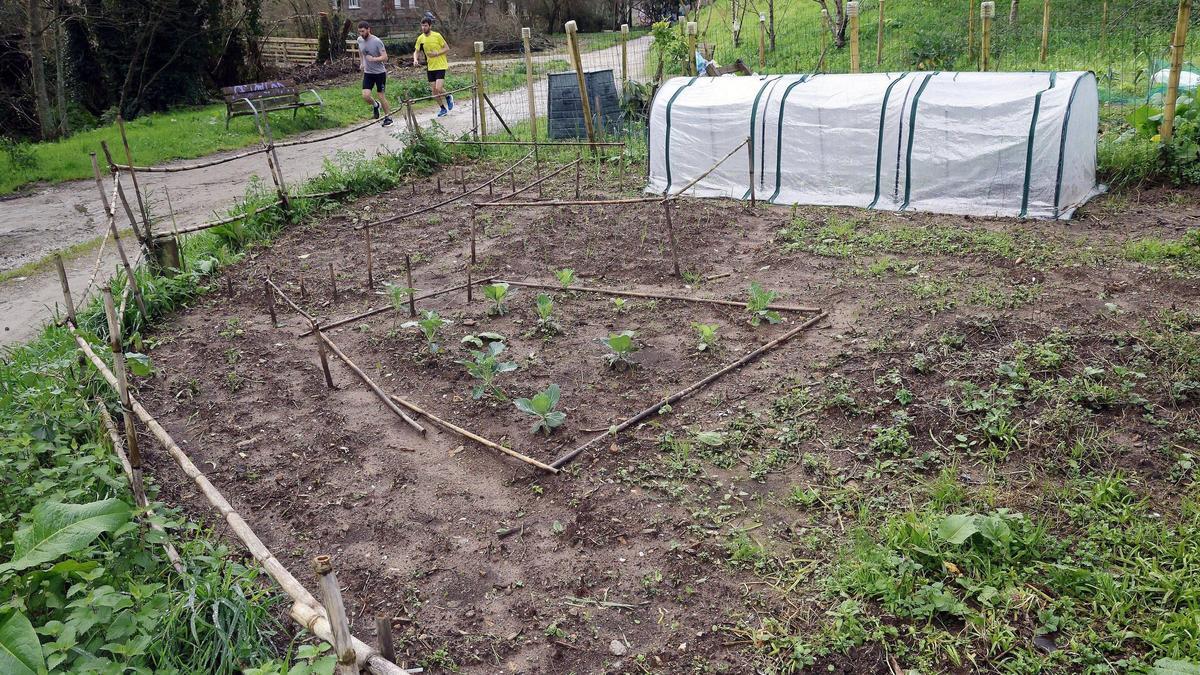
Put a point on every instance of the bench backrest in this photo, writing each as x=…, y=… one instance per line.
x=259, y=90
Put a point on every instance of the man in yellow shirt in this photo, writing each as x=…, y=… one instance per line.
x=434, y=46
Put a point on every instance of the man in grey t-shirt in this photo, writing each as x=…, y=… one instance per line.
x=373, y=56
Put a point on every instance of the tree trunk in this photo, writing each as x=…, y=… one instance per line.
x=1012, y=11
x=771, y=22
x=324, y=38
x=38, y=71
x=60, y=85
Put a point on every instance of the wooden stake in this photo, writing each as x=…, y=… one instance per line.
x=229, y=285
x=370, y=263
x=1045, y=30
x=370, y=383
x=303, y=290
x=264, y=132
x=479, y=90
x=333, y=283
x=624, y=55
x=118, y=355
x=120, y=190
x=469, y=283
x=573, y=43
x=412, y=305
x=270, y=303
x=855, y=54
x=474, y=211
x=652, y=296
x=66, y=289
x=578, y=170
x=1177, y=46
x=389, y=308
x=529, y=93
x=671, y=238
x=462, y=179
x=690, y=65
x=679, y=395
x=137, y=191
x=110, y=209
x=879, y=37
x=762, y=41
x=438, y=178
x=335, y=609
x=987, y=12
x=316, y=328
x=474, y=437
x=383, y=637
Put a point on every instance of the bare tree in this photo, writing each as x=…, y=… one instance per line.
x=837, y=21
x=38, y=70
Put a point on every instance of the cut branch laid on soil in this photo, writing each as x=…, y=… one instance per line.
x=653, y=296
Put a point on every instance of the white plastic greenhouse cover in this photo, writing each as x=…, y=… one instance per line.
x=987, y=144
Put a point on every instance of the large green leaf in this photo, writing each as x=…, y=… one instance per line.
x=58, y=529
x=20, y=651
x=1175, y=667
x=957, y=528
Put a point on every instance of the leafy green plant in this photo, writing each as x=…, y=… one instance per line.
x=398, y=295
x=707, y=336
x=479, y=340
x=757, y=305
x=542, y=406
x=496, y=293
x=621, y=348
x=620, y=305
x=546, y=324
x=485, y=366
x=565, y=276
x=430, y=325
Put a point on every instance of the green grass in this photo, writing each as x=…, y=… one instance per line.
x=1184, y=252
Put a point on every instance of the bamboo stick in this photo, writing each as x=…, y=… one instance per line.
x=110, y=209
x=119, y=451
x=335, y=610
x=68, y=302
x=578, y=171
x=412, y=305
x=855, y=53
x=712, y=168
x=471, y=436
x=137, y=191
x=118, y=355
x=479, y=88
x=305, y=610
x=316, y=327
x=762, y=41
x=474, y=211
x=683, y=393
x=529, y=84
x=624, y=55
x=370, y=383
x=333, y=283
x=1178, y=44
x=380, y=310
x=270, y=303
x=573, y=202
x=1045, y=30
x=671, y=238
x=370, y=267
x=191, y=167
x=573, y=44
x=879, y=36
x=987, y=12
x=654, y=296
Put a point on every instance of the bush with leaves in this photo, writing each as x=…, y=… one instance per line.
x=430, y=324
x=484, y=365
x=542, y=406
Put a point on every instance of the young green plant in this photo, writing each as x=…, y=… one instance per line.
x=757, y=305
x=546, y=324
x=542, y=406
x=430, y=325
x=496, y=293
x=707, y=334
x=484, y=366
x=620, y=305
x=398, y=295
x=565, y=276
x=621, y=348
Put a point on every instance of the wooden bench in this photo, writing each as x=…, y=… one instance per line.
x=265, y=97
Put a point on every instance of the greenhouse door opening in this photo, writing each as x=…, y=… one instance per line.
x=985, y=144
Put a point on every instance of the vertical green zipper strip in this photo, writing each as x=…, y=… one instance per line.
x=1037, y=108
x=779, y=138
x=887, y=95
x=1062, y=144
x=753, y=118
x=912, y=134
x=667, y=139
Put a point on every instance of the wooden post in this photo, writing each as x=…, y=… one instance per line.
x=370, y=266
x=66, y=288
x=671, y=236
x=137, y=191
x=762, y=41
x=573, y=43
x=529, y=93
x=855, y=54
x=333, y=282
x=1177, y=46
x=303, y=290
x=971, y=30
x=825, y=38
x=264, y=132
x=383, y=636
x=110, y=212
x=316, y=327
x=118, y=354
x=469, y=282
x=879, y=37
x=750, y=154
x=270, y=303
x=987, y=12
x=462, y=179
x=479, y=89
x=474, y=211
x=624, y=55
x=578, y=170
x=1045, y=30
x=229, y=285
x=335, y=609
x=412, y=305
x=690, y=65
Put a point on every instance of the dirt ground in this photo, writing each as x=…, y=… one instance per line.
x=487, y=564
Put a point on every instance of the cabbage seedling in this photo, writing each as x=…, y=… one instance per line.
x=621, y=348
x=496, y=293
x=429, y=325
x=707, y=333
x=484, y=367
x=619, y=305
x=565, y=276
x=542, y=407
x=545, y=309
x=399, y=297
x=481, y=339
x=757, y=305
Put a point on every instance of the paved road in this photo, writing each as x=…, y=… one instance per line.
x=56, y=216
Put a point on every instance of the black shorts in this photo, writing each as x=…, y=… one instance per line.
x=377, y=80
x=435, y=75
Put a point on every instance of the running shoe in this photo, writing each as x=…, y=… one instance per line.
x=375, y=110
x=387, y=121
x=449, y=101
x=442, y=112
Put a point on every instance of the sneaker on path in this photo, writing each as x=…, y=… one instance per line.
x=387, y=121
x=442, y=112
x=375, y=110
x=449, y=101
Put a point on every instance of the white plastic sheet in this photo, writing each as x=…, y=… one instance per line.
x=987, y=144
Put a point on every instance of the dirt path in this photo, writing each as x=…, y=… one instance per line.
x=57, y=216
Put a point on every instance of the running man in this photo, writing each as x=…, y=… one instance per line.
x=435, y=48
x=372, y=63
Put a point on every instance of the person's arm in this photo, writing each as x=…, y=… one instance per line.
x=382, y=58
x=416, y=50
x=445, y=48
